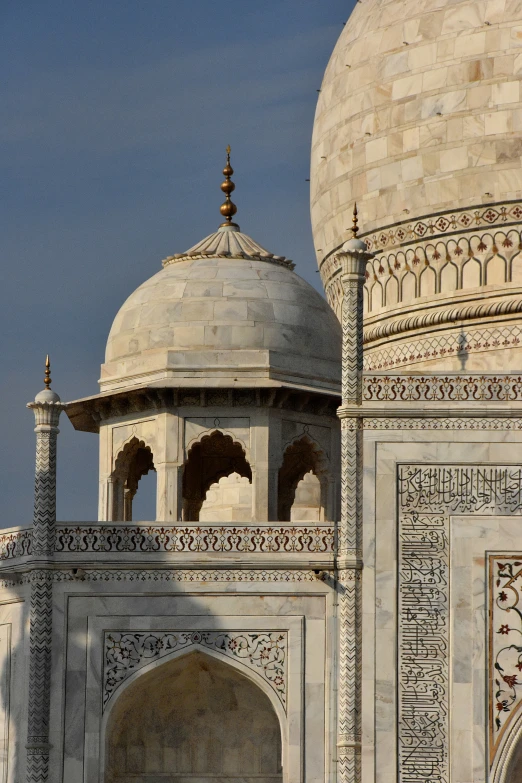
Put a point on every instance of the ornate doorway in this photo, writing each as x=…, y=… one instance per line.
x=191, y=720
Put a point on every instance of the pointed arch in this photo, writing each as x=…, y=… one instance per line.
x=427, y=282
x=449, y=278
x=392, y=291
x=223, y=709
x=209, y=459
x=408, y=287
x=496, y=269
x=133, y=461
x=303, y=455
x=471, y=273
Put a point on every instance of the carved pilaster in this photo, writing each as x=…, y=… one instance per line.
x=41, y=632
x=46, y=408
x=353, y=260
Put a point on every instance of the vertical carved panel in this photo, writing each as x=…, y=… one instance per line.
x=44, y=519
x=47, y=409
x=350, y=529
x=352, y=356
x=428, y=495
x=39, y=677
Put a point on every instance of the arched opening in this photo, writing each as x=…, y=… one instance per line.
x=228, y=500
x=133, y=462
x=194, y=717
x=209, y=460
x=302, y=457
x=307, y=500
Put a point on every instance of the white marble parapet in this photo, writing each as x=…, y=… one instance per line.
x=144, y=540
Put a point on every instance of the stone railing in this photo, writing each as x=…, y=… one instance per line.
x=154, y=539
x=195, y=538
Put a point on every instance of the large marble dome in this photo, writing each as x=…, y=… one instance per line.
x=229, y=312
x=419, y=121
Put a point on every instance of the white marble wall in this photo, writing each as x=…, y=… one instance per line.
x=470, y=538
x=86, y=611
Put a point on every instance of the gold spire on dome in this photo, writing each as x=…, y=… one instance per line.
x=228, y=209
x=47, y=377
x=355, y=223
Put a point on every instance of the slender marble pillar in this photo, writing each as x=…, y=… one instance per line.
x=47, y=408
x=353, y=257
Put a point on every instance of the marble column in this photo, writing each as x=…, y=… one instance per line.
x=46, y=408
x=354, y=257
x=169, y=491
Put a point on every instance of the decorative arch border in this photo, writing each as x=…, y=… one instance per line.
x=505, y=751
x=222, y=431
x=140, y=444
x=128, y=653
x=323, y=458
x=247, y=671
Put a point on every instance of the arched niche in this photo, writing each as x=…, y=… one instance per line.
x=197, y=716
x=133, y=462
x=210, y=459
x=300, y=458
x=307, y=500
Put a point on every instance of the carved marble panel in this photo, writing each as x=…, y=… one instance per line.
x=264, y=652
x=428, y=495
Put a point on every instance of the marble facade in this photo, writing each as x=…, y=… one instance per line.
x=330, y=587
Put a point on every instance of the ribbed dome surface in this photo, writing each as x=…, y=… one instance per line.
x=233, y=316
x=419, y=120
x=420, y=110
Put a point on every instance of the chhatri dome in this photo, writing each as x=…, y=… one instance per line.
x=418, y=121
x=225, y=310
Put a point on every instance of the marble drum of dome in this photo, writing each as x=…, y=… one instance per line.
x=419, y=121
x=229, y=312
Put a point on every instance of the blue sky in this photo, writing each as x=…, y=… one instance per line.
x=115, y=117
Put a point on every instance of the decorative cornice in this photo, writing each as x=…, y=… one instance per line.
x=437, y=224
x=87, y=414
x=445, y=315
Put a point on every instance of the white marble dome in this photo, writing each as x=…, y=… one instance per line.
x=228, y=312
x=419, y=121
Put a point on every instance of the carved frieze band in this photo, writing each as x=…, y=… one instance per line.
x=265, y=652
x=427, y=496
x=420, y=249
x=459, y=343
x=159, y=576
x=199, y=538
x=446, y=388
x=446, y=223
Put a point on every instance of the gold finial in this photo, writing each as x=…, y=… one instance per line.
x=47, y=378
x=355, y=224
x=228, y=209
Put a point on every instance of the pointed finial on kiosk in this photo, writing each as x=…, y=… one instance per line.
x=47, y=378
x=355, y=223
x=228, y=209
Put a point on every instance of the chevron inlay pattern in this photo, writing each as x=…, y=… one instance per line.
x=41, y=624
x=350, y=532
x=39, y=676
x=44, y=518
x=352, y=365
